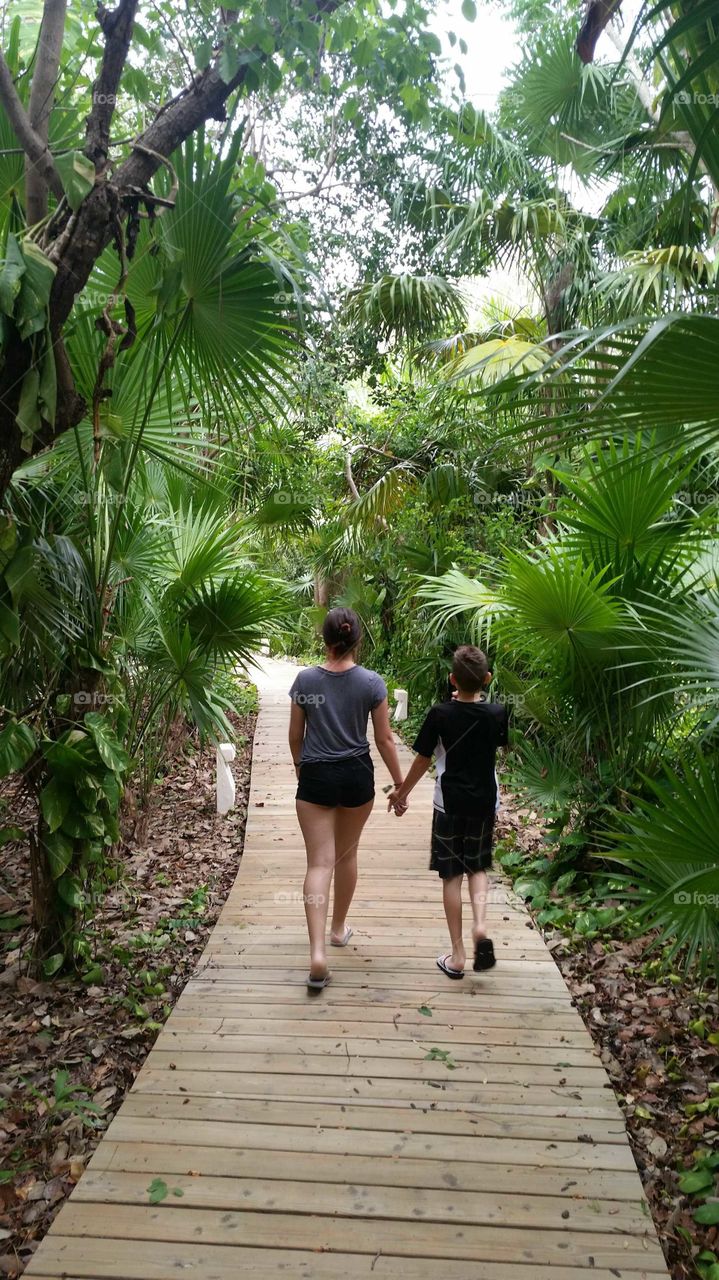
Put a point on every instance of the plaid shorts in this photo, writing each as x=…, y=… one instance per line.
x=460, y=845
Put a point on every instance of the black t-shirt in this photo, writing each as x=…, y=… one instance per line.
x=463, y=737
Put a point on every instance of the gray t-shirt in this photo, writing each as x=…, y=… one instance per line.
x=337, y=705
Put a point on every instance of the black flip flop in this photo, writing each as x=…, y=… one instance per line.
x=484, y=957
x=318, y=984
x=451, y=973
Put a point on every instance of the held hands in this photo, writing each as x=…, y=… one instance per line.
x=395, y=802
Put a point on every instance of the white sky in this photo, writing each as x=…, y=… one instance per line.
x=493, y=48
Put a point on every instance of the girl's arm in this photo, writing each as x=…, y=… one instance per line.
x=384, y=740
x=297, y=733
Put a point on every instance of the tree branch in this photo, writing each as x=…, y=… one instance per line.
x=80, y=239
x=32, y=144
x=117, y=26
x=349, y=477
x=42, y=93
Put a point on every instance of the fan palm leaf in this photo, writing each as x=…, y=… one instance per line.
x=454, y=595
x=404, y=307
x=668, y=843
x=203, y=267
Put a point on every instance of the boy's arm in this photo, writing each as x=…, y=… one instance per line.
x=417, y=770
x=424, y=745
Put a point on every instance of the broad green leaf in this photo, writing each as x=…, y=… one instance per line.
x=695, y=1181
x=469, y=10
x=707, y=1214
x=55, y=800
x=83, y=825
x=70, y=891
x=32, y=301
x=17, y=743
x=77, y=175
x=60, y=849
x=229, y=63
x=71, y=755
x=111, y=751
x=29, y=418
x=53, y=964
x=13, y=269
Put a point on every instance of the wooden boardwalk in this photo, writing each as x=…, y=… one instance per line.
x=313, y=1136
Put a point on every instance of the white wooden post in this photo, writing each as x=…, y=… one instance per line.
x=400, y=711
x=225, y=782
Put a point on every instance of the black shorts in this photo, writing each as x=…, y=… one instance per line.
x=460, y=845
x=347, y=783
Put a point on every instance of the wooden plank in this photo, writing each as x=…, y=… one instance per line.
x=314, y=1137
x=216, y=1083
x=263, y=1031
x=407, y=1203
x=265, y=1155
x=131, y=1259
x=346, y=1062
x=354, y=1009
x=458, y=1120
x=396, y=1238
x=405, y=1045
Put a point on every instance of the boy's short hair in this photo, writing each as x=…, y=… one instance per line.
x=470, y=668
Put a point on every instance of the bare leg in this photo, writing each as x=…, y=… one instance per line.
x=478, y=892
x=348, y=829
x=318, y=829
x=452, y=896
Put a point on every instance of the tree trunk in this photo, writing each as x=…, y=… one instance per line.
x=42, y=96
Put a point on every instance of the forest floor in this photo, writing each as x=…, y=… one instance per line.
x=75, y=1047
x=72, y=1048
x=658, y=1037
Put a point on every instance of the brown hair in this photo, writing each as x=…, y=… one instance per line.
x=341, y=630
x=470, y=668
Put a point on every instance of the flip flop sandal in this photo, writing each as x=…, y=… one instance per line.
x=484, y=957
x=318, y=984
x=450, y=972
x=345, y=940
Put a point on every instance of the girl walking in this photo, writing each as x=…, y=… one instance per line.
x=331, y=706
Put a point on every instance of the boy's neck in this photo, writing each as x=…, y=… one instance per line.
x=470, y=697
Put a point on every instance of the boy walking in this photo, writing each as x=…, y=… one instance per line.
x=463, y=736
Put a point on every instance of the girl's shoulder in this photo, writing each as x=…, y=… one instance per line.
x=305, y=677
x=367, y=674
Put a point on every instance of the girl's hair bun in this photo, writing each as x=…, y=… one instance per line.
x=341, y=630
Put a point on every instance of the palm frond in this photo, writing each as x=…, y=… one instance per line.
x=404, y=307
x=386, y=496
x=668, y=843
x=454, y=595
